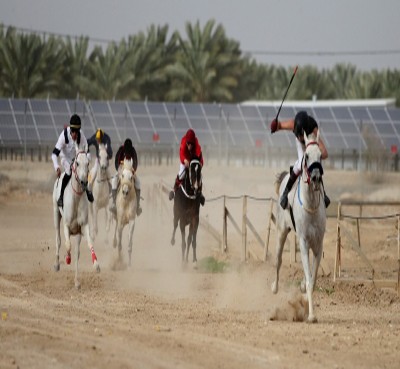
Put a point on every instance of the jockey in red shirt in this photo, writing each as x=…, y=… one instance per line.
x=189, y=149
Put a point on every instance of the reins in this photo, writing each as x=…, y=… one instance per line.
x=308, y=169
x=73, y=167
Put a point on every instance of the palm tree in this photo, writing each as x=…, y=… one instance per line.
x=29, y=66
x=75, y=66
x=207, y=67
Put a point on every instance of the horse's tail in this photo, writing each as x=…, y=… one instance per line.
x=279, y=179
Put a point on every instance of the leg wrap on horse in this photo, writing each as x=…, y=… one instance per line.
x=65, y=180
x=284, y=198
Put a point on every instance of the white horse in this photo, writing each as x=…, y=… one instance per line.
x=74, y=212
x=99, y=179
x=126, y=207
x=308, y=218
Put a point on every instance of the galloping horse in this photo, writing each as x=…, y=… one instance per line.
x=307, y=217
x=74, y=212
x=101, y=189
x=187, y=208
x=126, y=207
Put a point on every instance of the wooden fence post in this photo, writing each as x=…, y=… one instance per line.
x=224, y=245
x=336, y=272
x=244, y=229
x=271, y=218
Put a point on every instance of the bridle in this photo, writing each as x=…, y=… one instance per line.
x=307, y=170
x=194, y=196
x=73, y=168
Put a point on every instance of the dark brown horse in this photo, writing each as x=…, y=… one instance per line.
x=187, y=208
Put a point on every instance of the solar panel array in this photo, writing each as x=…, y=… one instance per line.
x=40, y=122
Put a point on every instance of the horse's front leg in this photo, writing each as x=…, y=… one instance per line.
x=315, y=266
x=175, y=225
x=130, y=241
x=77, y=254
x=57, y=221
x=67, y=236
x=280, y=242
x=183, y=245
x=304, y=250
x=119, y=240
x=86, y=232
x=194, y=240
x=95, y=216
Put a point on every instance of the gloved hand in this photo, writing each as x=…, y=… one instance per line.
x=274, y=126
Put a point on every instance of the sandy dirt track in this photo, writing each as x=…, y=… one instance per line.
x=157, y=314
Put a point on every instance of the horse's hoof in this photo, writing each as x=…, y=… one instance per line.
x=77, y=285
x=195, y=264
x=172, y=242
x=68, y=259
x=57, y=267
x=274, y=288
x=97, y=267
x=312, y=319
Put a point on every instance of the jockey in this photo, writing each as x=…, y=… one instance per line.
x=189, y=149
x=100, y=137
x=301, y=123
x=66, y=147
x=128, y=152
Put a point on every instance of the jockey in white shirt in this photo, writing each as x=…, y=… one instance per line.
x=66, y=148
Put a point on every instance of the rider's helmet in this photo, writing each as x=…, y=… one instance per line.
x=99, y=135
x=300, y=122
x=128, y=148
x=190, y=137
x=75, y=122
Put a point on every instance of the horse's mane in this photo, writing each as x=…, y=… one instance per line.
x=278, y=180
x=128, y=165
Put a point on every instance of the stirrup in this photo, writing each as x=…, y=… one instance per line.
x=171, y=195
x=138, y=211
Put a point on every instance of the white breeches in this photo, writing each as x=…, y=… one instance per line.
x=181, y=172
x=300, y=152
x=66, y=164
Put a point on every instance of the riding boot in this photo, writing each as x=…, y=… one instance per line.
x=289, y=185
x=113, y=206
x=138, y=208
x=327, y=201
x=89, y=195
x=60, y=201
x=202, y=199
x=176, y=185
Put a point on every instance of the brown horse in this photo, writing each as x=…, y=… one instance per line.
x=187, y=208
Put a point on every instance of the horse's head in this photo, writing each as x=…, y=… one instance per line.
x=195, y=177
x=80, y=168
x=127, y=178
x=312, y=161
x=103, y=157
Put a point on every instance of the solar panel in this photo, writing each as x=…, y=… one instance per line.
x=243, y=126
